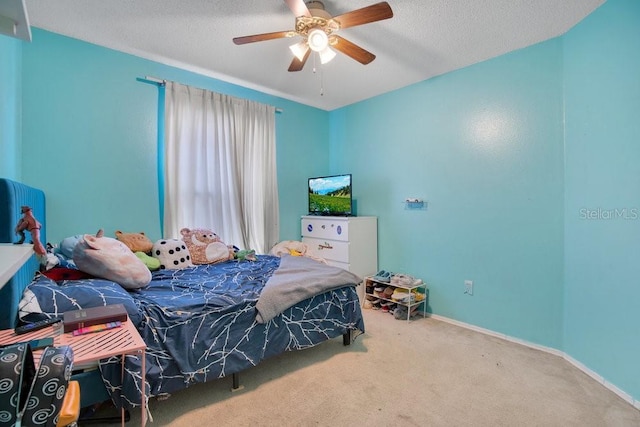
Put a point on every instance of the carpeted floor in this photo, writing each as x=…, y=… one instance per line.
x=423, y=373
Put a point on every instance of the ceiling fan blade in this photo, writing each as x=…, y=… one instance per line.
x=354, y=51
x=298, y=7
x=373, y=13
x=297, y=64
x=263, y=37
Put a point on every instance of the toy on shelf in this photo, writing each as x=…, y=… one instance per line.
x=29, y=223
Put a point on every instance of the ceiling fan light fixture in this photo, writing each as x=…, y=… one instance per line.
x=317, y=29
x=326, y=55
x=299, y=49
x=318, y=40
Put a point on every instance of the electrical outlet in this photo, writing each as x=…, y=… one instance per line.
x=468, y=287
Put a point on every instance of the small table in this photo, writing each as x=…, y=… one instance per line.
x=93, y=347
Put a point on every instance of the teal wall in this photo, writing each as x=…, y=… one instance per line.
x=507, y=184
x=602, y=175
x=90, y=137
x=486, y=146
x=10, y=107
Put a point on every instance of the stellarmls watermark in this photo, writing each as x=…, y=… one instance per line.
x=610, y=214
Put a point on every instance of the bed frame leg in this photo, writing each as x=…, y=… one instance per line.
x=346, y=338
x=235, y=377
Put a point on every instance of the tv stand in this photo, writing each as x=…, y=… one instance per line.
x=349, y=242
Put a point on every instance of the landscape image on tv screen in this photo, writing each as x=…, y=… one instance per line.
x=330, y=195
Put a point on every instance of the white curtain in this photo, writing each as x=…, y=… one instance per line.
x=220, y=167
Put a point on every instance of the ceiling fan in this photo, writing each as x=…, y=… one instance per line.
x=318, y=31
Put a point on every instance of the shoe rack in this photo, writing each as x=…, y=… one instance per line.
x=384, y=292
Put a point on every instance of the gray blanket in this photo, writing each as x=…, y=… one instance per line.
x=297, y=279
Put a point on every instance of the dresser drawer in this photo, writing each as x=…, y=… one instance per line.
x=328, y=249
x=326, y=228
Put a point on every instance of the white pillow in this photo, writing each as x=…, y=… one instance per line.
x=110, y=259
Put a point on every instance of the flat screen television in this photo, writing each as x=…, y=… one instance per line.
x=331, y=195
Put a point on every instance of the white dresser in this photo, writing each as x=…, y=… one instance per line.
x=347, y=242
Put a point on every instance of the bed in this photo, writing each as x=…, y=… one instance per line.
x=200, y=323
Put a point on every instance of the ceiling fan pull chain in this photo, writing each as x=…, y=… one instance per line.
x=321, y=76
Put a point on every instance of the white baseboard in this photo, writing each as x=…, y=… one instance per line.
x=626, y=396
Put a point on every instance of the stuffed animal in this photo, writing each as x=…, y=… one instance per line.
x=30, y=223
x=289, y=247
x=205, y=246
x=65, y=248
x=246, y=254
x=152, y=263
x=172, y=254
x=137, y=242
x=110, y=259
x=294, y=248
x=64, y=251
x=49, y=261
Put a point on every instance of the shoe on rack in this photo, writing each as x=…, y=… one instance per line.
x=402, y=280
x=379, y=275
x=401, y=312
x=382, y=276
x=388, y=291
x=419, y=296
x=400, y=294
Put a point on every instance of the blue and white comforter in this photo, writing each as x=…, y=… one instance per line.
x=200, y=323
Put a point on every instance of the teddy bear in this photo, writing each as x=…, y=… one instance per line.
x=205, y=246
x=137, y=242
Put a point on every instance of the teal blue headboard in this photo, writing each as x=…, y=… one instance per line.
x=13, y=195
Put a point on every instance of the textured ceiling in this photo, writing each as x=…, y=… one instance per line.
x=423, y=39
